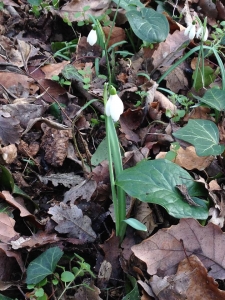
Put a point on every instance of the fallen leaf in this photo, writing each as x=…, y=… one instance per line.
x=190, y=282
x=9, y=153
x=66, y=179
x=85, y=190
x=10, y=130
x=188, y=159
x=164, y=250
x=7, y=231
x=71, y=221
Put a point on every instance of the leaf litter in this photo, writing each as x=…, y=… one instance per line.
x=54, y=196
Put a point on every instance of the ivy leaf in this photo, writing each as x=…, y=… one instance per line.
x=43, y=265
x=155, y=182
x=148, y=24
x=203, y=134
x=129, y=4
x=214, y=98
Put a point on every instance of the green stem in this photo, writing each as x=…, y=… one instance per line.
x=220, y=63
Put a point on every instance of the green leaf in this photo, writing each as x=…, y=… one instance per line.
x=2, y=297
x=39, y=292
x=67, y=276
x=214, y=98
x=101, y=153
x=203, y=134
x=136, y=224
x=148, y=25
x=43, y=265
x=35, y=2
x=134, y=293
x=155, y=182
x=208, y=78
x=129, y=4
x=70, y=72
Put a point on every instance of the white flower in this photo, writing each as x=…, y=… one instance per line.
x=92, y=37
x=114, y=107
x=199, y=34
x=190, y=31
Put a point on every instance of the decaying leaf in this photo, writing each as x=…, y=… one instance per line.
x=9, y=153
x=190, y=282
x=72, y=222
x=164, y=250
x=10, y=130
x=66, y=179
x=84, y=189
x=7, y=231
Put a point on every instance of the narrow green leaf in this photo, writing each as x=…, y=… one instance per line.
x=148, y=25
x=155, y=182
x=203, y=134
x=136, y=224
x=43, y=265
x=134, y=293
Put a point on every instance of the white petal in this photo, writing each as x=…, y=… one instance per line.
x=187, y=30
x=192, y=32
x=199, y=33
x=116, y=108
x=107, y=107
x=92, y=37
x=206, y=34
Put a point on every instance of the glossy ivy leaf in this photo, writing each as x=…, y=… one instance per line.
x=136, y=224
x=214, y=98
x=2, y=297
x=203, y=135
x=155, y=182
x=43, y=265
x=148, y=25
x=129, y=4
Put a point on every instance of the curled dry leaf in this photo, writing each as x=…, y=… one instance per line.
x=190, y=282
x=164, y=250
x=164, y=102
x=7, y=231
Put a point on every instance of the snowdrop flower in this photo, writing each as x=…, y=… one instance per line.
x=190, y=31
x=114, y=106
x=92, y=37
x=199, y=34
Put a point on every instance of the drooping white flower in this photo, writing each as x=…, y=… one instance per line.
x=199, y=34
x=92, y=37
x=114, y=106
x=190, y=31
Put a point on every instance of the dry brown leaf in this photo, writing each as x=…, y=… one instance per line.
x=117, y=35
x=188, y=159
x=88, y=291
x=83, y=190
x=97, y=9
x=25, y=112
x=176, y=80
x=72, y=222
x=190, y=282
x=145, y=215
x=54, y=69
x=164, y=102
x=168, y=51
x=164, y=250
x=11, y=200
x=10, y=130
x=55, y=143
x=66, y=179
x=7, y=231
